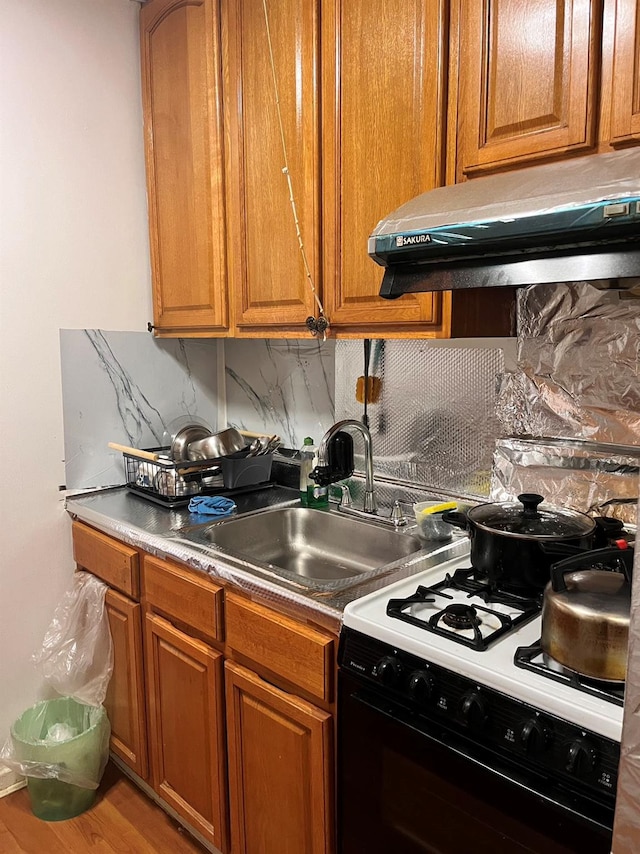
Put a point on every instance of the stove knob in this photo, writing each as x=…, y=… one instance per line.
x=581, y=758
x=388, y=671
x=473, y=710
x=534, y=736
x=421, y=685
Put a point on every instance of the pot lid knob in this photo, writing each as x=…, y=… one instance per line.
x=530, y=501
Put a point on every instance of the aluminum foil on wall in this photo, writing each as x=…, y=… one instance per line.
x=578, y=371
x=597, y=479
x=434, y=422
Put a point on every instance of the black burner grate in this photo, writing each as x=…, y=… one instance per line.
x=452, y=617
x=533, y=658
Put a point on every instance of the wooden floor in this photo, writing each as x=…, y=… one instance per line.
x=122, y=821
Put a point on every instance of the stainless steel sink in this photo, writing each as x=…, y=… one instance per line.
x=313, y=546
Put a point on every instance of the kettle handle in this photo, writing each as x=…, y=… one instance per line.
x=570, y=564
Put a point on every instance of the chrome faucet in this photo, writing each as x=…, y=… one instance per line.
x=329, y=475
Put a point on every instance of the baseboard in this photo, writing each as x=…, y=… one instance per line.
x=146, y=788
x=10, y=782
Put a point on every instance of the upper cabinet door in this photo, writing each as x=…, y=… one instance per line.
x=383, y=95
x=526, y=81
x=625, y=106
x=181, y=76
x=267, y=146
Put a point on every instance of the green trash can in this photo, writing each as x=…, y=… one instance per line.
x=63, y=746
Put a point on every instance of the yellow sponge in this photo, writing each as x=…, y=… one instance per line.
x=439, y=508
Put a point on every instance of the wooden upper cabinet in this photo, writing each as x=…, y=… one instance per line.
x=181, y=90
x=383, y=93
x=625, y=98
x=269, y=286
x=527, y=81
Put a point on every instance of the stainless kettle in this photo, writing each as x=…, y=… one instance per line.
x=586, y=613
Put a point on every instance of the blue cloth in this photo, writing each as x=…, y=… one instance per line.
x=212, y=505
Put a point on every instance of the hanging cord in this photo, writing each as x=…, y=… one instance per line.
x=321, y=324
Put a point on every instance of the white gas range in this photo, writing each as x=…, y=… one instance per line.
x=600, y=711
x=447, y=745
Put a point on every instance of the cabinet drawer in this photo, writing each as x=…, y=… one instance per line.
x=196, y=602
x=301, y=655
x=113, y=562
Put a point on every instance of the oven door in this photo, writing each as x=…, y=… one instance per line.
x=407, y=786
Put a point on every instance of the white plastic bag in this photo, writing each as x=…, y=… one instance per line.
x=76, y=658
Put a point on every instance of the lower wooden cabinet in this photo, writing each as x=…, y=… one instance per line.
x=125, y=702
x=175, y=726
x=280, y=756
x=186, y=727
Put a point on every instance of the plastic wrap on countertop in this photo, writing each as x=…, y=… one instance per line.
x=601, y=480
x=154, y=530
x=626, y=830
x=144, y=526
x=578, y=358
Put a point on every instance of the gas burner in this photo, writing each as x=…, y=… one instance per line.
x=445, y=609
x=535, y=659
x=460, y=616
x=470, y=580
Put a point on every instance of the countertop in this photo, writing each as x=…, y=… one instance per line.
x=177, y=534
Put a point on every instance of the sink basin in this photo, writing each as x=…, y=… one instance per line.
x=318, y=547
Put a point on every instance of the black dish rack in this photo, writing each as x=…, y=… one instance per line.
x=173, y=484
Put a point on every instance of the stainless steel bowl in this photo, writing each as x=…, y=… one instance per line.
x=217, y=445
x=186, y=437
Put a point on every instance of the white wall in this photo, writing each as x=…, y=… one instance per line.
x=73, y=254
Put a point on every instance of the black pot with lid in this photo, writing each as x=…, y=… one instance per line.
x=514, y=543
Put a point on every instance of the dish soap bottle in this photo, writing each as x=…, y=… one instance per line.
x=308, y=456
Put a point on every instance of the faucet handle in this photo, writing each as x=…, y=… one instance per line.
x=345, y=498
x=397, y=515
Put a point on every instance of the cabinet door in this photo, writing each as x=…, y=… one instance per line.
x=186, y=732
x=181, y=72
x=526, y=83
x=280, y=769
x=125, y=697
x=625, y=107
x=383, y=86
x=269, y=282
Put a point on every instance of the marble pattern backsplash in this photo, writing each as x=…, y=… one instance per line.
x=127, y=387
x=279, y=386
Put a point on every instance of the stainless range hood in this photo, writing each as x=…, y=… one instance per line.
x=571, y=221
